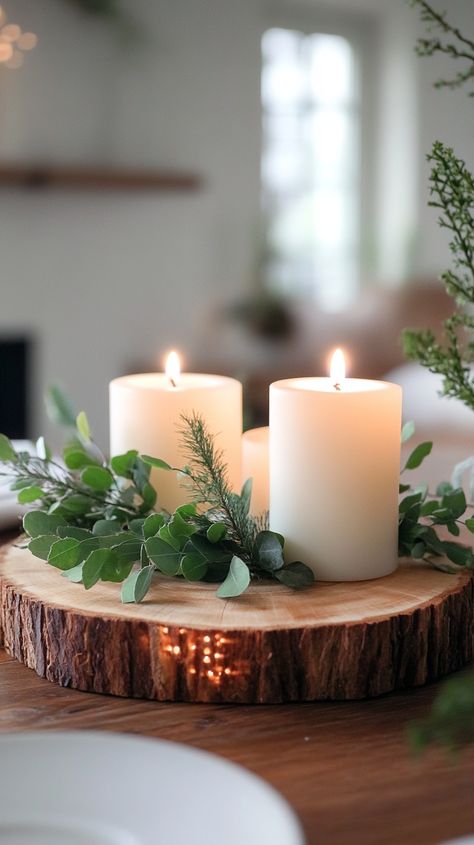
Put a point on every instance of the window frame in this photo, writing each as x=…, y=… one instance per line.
x=362, y=31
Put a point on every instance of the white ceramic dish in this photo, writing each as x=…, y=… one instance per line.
x=87, y=788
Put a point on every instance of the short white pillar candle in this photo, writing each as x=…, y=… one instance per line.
x=255, y=466
x=145, y=414
x=334, y=474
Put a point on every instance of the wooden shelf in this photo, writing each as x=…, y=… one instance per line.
x=96, y=178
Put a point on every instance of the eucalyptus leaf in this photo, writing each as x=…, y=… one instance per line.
x=64, y=554
x=164, y=556
x=211, y=552
x=157, y=463
x=117, y=569
x=123, y=465
x=418, y=455
x=105, y=527
x=165, y=534
x=443, y=488
x=77, y=503
x=455, y=501
x=59, y=407
x=83, y=427
x=460, y=555
x=246, y=495
x=75, y=457
x=295, y=575
x=237, y=580
x=74, y=574
x=408, y=431
x=137, y=585
x=40, y=546
x=409, y=501
x=269, y=550
x=181, y=529
x=74, y=531
x=30, y=494
x=7, y=452
x=152, y=525
x=129, y=550
x=98, y=478
x=36, y=523
x=148, y=494
x=193, y=567
x=216, y=532
x=94, y=564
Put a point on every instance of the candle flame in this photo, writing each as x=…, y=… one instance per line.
x=337, y=369
x=173, y=368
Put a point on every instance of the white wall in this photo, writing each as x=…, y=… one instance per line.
x=108, y=280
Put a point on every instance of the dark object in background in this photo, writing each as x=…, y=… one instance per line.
x=265, y=315
x=14, y=387
x=101, y=8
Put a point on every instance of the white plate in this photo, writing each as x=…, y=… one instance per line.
x=87, y=788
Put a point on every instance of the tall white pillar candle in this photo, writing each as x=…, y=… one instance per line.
x=255, y=466
x=334, y=472
x=145, y=414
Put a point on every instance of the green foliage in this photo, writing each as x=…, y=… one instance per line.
x=421, y=514
x=85, y=490
x=237, y=580
x=95, y=520
x=451, y=720
x=447, y=40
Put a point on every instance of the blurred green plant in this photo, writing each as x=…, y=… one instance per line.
x=451, y=721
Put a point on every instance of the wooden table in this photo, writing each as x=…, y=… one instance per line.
x=346, y=768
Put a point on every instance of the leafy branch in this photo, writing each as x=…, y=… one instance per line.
x=95, y=521
x=452, y=191
x=422, y=514
x=451, y=42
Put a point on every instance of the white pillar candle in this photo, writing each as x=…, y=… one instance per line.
x=145, y=414
x=334, y=472
x=255, y=466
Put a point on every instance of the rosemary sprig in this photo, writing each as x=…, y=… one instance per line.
x=207, y=479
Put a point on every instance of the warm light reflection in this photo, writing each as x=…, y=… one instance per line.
x=337, y=369
x=11, y=32
x=27, y=41
x=13, y=41
x=173, y=368
x=6, y=51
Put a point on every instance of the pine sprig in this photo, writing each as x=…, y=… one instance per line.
x=209, y=482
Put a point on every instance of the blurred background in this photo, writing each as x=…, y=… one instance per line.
x=244, y=182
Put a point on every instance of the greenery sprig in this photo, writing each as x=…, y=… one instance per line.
x=452, y=191
x=95, y=521
x=450, y=42
x=451, y=721
x=423, y=514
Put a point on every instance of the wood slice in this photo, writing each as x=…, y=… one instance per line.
x=332, y=641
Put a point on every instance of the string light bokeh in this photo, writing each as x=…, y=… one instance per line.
x=201, y=655
x=14, y=43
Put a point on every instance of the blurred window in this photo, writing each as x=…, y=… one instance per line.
x=310, y=166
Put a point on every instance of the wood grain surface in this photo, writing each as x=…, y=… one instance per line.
x=272, y=645
x=345, y=767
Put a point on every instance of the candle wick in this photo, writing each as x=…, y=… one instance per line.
x=173, y=381
x=337, y=386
